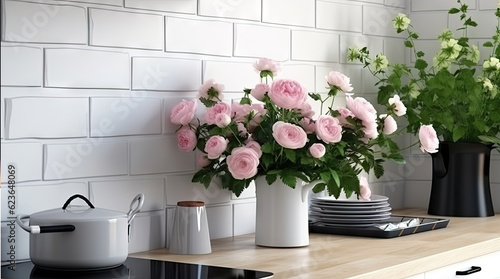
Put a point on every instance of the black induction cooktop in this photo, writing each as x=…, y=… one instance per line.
x=134, y=268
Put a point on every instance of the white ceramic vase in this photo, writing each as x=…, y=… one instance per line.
x=282, y=214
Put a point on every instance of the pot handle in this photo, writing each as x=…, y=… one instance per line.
x=42, y=229
x=134, y=210
x=74, y=197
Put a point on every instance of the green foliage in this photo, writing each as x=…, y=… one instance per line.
x=457, y=96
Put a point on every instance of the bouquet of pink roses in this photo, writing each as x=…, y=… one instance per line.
x=273, y=132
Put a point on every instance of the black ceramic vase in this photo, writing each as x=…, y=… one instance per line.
x=460, y=180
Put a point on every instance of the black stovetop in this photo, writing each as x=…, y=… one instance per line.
x=134, y=268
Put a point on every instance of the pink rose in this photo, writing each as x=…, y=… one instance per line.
x=240, y=112
x=255, y=146
x=305, y=110
x=205, y=87
x=328, y=129
x=222, y=120
x=370, y=129
x=218, y=108
x=365, y=192
x=259, y=91
x=186, y=139
x=317, y=150
x=339, y=80
x=243, y=163
x=308, y=125
x=183, y=112
x=215, y=146
x=265, y=64
x=362, y=109
x=202, y=160
x=287, y=93
x=289, y=135
x=390, y=125
x=241, y=129
x=344, y=113
x=259, y=112
x=428, y=139
x=397, y=106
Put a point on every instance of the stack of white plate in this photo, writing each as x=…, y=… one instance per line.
x=328, y=211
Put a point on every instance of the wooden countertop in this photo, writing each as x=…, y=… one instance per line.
x=336, y=256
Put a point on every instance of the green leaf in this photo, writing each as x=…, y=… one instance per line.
x=396, y=157
x=420, y=53
x=453, y=11
x=289, y=180
x=271, y=178
x=319, y=187
x=290, y=154
x=267, y=147
x=458, y=133
x=488, y=44
x=315, y=96
x=490, y=139
x=378, y=169
x=408, y=43
x=336, y=177
x=421, y=64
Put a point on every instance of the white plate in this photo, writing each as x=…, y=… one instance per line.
x=342, y=218
x=350, y=208
x=329, y=212
x=349, y=220
x=352, y=200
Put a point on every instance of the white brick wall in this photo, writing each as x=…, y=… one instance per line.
x=87, y=89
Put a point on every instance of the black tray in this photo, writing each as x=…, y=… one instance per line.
x=426, y=224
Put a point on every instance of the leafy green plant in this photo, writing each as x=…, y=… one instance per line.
x=455, y=95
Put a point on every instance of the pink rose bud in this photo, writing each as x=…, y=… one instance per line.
x=317, y=150
x=186, y=139
x=390, y=125
x=222, y=120
x=259, y=91
x=215, y=146
x=308, y=125
x=365, y=192
x=265, y=64
x=218, y=108
x=287, y=93
x=289, y=135
x=362, y=109
x=397, y=106
x=328, y=129
x=428, y=139
x=203, y=90
x=243, y=163
x=339, y=80
x=183, y=112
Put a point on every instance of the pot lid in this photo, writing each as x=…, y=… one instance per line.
x=77, y=214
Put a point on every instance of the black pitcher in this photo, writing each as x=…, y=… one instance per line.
x=460, y=180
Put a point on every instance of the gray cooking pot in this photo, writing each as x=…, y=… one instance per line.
x=79, y=237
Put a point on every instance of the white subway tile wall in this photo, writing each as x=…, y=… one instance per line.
x=88, y=86
x=22, y=66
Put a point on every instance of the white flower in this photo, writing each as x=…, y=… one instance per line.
x=492, y=63
x=380, y=62
x=451, y=48
x=397, y=106
x=486, y=83
x=353, y=53
x=401, y=22
x=445, y=35
x=473, y=54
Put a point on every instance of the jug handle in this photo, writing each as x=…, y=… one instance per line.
x=307, y=187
